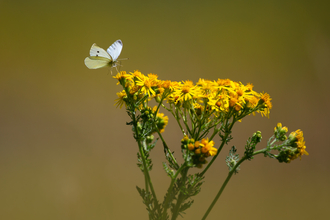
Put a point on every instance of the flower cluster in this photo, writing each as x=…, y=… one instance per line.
x=161, y=121
x=198, y=150
x=218, y=97
x=296, y=140
x=292, y=147
x=280, y=132
x=197, y=108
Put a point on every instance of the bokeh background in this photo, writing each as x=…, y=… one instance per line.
x=65, y=150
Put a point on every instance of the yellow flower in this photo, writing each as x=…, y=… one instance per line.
x=146, y=84
x=122, y=76
x=120, y=100
x=213, y=151
x=207, y=147
x=133, y=89
x=265, y=98
x=252, y=101
x=296, y=139
x=235, y=101
x=186, y=91
x=137, y=74
x=162, y=121
x=302, y=148
x=224, y=82
x=249, y=86
x=207, y=86
x=152, y=76
x=219, y=102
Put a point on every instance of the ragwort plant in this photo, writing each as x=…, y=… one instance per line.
x=202, y=111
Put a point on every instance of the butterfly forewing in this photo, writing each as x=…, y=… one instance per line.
x=115, y=49
x=99, y=52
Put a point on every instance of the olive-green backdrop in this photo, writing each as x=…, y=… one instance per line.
x=65, y=150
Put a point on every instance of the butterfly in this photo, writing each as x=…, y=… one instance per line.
x=100, y=58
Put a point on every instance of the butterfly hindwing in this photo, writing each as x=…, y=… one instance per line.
x=95, y=62
x=115, y=49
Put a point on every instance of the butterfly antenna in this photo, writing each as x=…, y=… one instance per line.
x=123, y=59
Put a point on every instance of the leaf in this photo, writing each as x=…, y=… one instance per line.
x=169, y=172
x=185, y=206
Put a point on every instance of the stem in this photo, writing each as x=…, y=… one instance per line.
x=213, y=159
x=161, y=137
x=192, y=122
x=220, y=148
x=227, y=180
x=222, y=188
x=165, y=146
x=215, y=131
x=177, y=206
x=160, y=103
x=181, y=196
x=176, y=116
x=184, y=119
x=145, y=168
x=166, y=202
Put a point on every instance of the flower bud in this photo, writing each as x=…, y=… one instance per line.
x=257, y=137
x=191, y=146
x=158, y=99
x=149, y=138
x=198, y=151
x=280, y=132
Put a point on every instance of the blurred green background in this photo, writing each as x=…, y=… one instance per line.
x=65, y=151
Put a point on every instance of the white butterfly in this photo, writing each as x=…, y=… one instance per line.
x=100, y=58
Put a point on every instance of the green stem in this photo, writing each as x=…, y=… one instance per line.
x=192, y=122
x=184, y=119
x=167, y=148
x=213, y=159
x=220, y=148
x=145, y=168
x=146, y=182
x=181, y=196
x=222, y=188
x=170, y=188
x=146, y=173
x=160, y=103
x=227, y=180
x=215, y=131
x=176, y=116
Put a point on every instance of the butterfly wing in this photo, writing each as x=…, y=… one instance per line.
x=97, y=51
x=95, y=62
x=115, y=49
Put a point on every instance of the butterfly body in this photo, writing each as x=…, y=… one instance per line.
x=100, y=58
